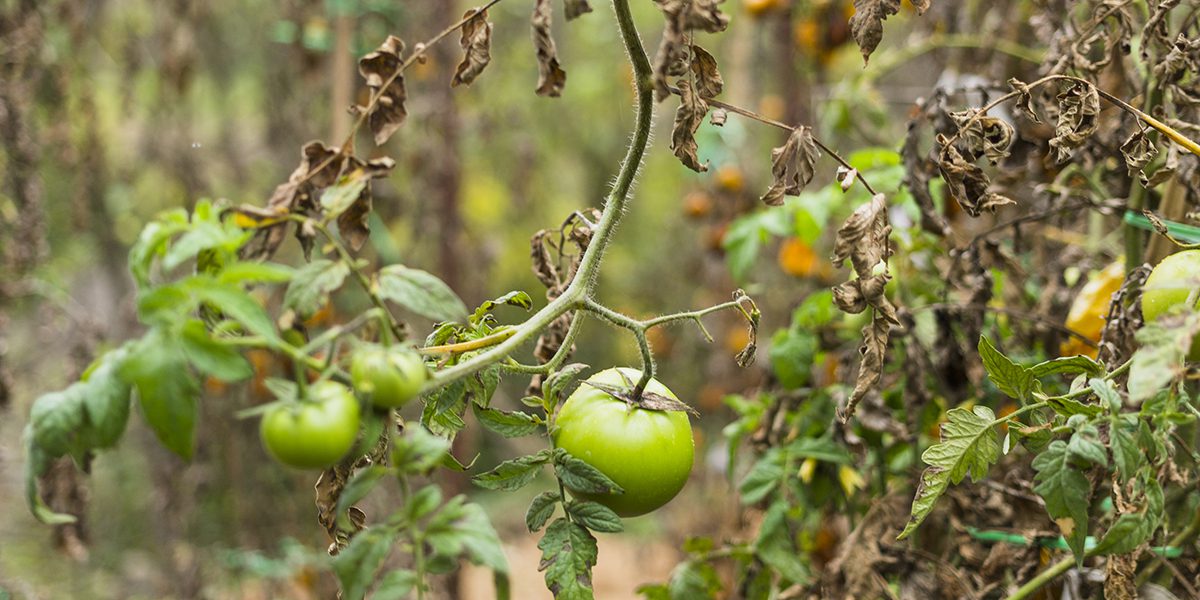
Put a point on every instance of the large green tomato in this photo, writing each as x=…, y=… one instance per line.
x=647, y=452
x=389, y=377
x=316, y=432
x=1169, y=285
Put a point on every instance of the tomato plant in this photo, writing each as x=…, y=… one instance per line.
x=389, y=377
x=314, y=432
x=647, y=452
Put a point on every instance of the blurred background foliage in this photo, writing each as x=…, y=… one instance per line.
x=117, y=110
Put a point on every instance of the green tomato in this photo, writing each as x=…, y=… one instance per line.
x=389, y=377
x=1169, y=285
x=647, y=452
x=316, y=432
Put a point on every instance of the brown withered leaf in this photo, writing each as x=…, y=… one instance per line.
x=846, y=177
x=352, y=222
x=682, y=16
x=476, y=42
x=708, y=78
x=1138, y=151
x=688, y=118
x=982, y=134
x=576, y=8
x=921, y=6
x=1078, y=108
x=1024, y=103
x=1157, y=30
x=866, y=26
x=381, y=69
x=319, y=167
x=967, y=183
x=863, y=239
x=648, y=401
x=747, y=355
x=551, y=77
x=792, y=165
x=718, y=116
x=870, y=367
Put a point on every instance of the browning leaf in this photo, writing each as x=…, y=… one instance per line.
x=1024, y=102
x=688, y=118
x=682, y=16
x=352, y=222
x=793, y=165
x=576, y=8
x=870, y=368
x=381, y=69
x=648, y=401
x=551, y=77
x=717, y=117
x=476, y=42
x=708, y=79
x=867, y=23
x=917, y=173
x=1138, y=151
x=983, y=134
x=319, y=167
x=1078, y=108
x=967, y=183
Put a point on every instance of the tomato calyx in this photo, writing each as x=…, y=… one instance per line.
x=649, y=400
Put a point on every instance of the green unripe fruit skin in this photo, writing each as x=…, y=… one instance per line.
x=390, y=378
x=1169, y=285
x=648, y=453
x=313, y=434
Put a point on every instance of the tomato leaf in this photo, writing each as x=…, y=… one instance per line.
x=1068, y=365
x=776, y=546
x=568, y=555
x=211, y=356
x=969, y=446
x=513, y=474
x=1067, y=494
x=421, y=292
x=581, y=476
x=515, y=298
x=508, y=424
x=1164, y=345
x=166, y=390
x=1012, y=379
x=359, y=486
x=763, y=477
x=540, y=510
x=557, y=385
x=312, y=284
x=396, y=584
x=255, y=272
x=235, y=302
x=595, y=516
x=418, y=450
x=1130, y=530
x=357, y=563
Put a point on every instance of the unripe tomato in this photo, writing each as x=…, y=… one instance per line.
x=388, y=377
x=1169, y=285
x=648, y=453
x=316, y=432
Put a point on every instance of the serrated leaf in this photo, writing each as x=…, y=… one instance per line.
x=312, y=284
x=508, y=424
x=559, y=383
x=969, y=446
x=1130, y=530
x=1067, y=494
x=866, y=25
x=581, y=476
x=421, y=292
x=157, y=368
x=540, y=510
x=1126, y=454
x=396, y=584
x=763, y=477
x=1068, y=365
x=595, y=516
x=568, y=555
x=418, y=450
x=513, y=474
x=1160, y=359
x=1085, y=446
x=776, y=547
x=693, y=580
x=211, y=356
x=1012, y=379
x=234, y=302
x=357, y=563
x=518, y=299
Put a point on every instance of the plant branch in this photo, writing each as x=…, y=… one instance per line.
x=460, y=347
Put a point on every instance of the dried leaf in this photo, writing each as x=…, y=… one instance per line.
x=1138, y=151
x=319, y=167
x=1078, y=108
x=793, y=166
x=576, y=8
x=688, y=118
x=708, y=78
x=846, y=177
x=381, y=69
x=476, y=43
x=648, y=401
x=682, y=16
x=1024, y=102
x=551, y=77
x=917, y=168
x=717, y=117
x=352, y=222
x=983, y=134
x=867, y=23
x=921, y=6
x=967, y=183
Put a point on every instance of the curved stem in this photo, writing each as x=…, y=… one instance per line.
x=1043, y=578
x=459, y=348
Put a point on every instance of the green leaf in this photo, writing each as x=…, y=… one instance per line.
x=423, y=503
x=164, y=305
x=969, y=446
x=595, y=516
x=515, y=298
x=540, y=510
x=482, y=385
x=1107, y=393
x=152, y=242
x=1126, y=454
x=157, y=368
x=568, y=555
x=359, y=486
x=357, y=563
x=1164, y=345
x=106, y=400
x=763, y=477
x=791, y=354
x=343, y=194
x=36, y=464
x=581, y=476
x=421, y=292
x=508, y=424
x=396, y=584
x=558, y=383
x=444, y=408
x=418, y=451
x=211, y=356
x=1012, y=379
x=465, y=527
x=55, y=420
x=234, y=302
x=1068, y=365
x=1130, y=530
x=203, y=235
x=312, y=284
x=255, y=272
x=513, y=474
x=693, y=580
x=1066, y=492
x=776, y=546
x=1085, y=446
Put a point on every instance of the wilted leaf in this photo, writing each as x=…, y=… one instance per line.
x=792, y=165
x=1078, y=108
x=1024, y=102
x=574, y=9
x=688, y=119
x=967, y=183
x=1138, y=151
x=682, y=16
x=476, y=42
x=551, y=77
x=382, y=70
x=319, y=168
x=866, y=26
x=708, y=78
x=990, y=136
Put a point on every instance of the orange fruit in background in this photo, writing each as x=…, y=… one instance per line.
x=772, y=106
x=1090, y=307
x=758, y=8
x=730, y=178
x=797, y=258
x=697, y=204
